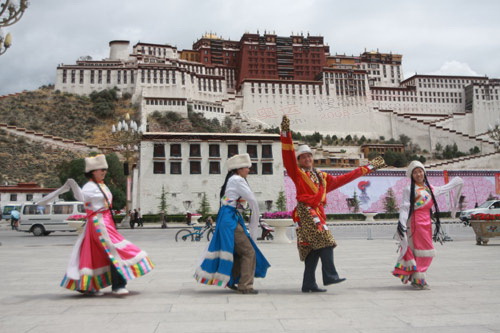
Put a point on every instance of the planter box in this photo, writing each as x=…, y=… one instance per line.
x=280, y=226
x=485, y=229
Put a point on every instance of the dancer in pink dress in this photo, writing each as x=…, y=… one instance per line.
x=415, y=225
x=101, y=256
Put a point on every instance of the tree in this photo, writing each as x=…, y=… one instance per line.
x=390, y=205
x=115, y=178
x=204, y=209
x=404, y=139
x=163, y=201
x=356, y=202
x=281, y=202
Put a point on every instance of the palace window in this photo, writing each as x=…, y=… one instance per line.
x=267, y=151
x=108, y=76
x=267, y=168
x=195, y=167
x=214, y=168
x=252, y=151
x=213, y=150
x=159, y=150
x=29, y=197
x=232, y=150
x=175, y=150
x=92, y=79
x=13, y=197
x=253, y=169
x=175, y=168
x=81, y=76
x=194, y=150
x=99, y=76
x=64, y=76
x=158, y=167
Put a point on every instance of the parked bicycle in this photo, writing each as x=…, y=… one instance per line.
x=196, y=234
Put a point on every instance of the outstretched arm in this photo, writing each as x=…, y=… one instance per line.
x=69, y=185
x=287, y=150
x=336, y=182
x=455, y=184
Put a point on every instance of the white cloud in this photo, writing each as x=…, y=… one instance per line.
x=455, y=67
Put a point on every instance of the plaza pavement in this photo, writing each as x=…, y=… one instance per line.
x=465, y=294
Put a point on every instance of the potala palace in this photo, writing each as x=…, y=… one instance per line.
x=256, y=80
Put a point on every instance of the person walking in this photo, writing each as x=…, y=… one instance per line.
x=314, y=240
x=233, y=259
x=101, y=256
x=14, y=219
x=414, y=231
x=139, y=218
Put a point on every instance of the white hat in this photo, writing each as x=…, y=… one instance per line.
x=303, y=149
x=412, y=166
x=95, y=163
x=239, y=161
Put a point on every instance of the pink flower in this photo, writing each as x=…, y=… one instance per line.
x=77, y=217
x=277, y=215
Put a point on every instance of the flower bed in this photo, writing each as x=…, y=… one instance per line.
x=277, y=215
x=483, y=216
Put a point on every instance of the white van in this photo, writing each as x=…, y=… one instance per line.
x=41, y=220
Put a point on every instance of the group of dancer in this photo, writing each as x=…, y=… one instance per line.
x=102, y=257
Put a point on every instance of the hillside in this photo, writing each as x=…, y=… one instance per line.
x=22, y=161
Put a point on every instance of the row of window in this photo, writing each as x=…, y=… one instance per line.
x=161, y=101
x=213, y=150
x=119, y=75
x=13, y=197
x=416, y=99
x=214, y=168
x=29, y=197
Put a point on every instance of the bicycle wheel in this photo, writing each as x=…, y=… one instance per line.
x=209, y=234
x=184, y=235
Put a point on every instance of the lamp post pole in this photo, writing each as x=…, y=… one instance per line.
x=128, y=136
x=10, y=13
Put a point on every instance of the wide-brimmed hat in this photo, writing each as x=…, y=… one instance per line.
x=239, y=161
x=412, y=166
x=303, y=149
x=95, y=163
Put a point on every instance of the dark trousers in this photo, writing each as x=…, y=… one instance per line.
x=327, y=268
x=117, y=280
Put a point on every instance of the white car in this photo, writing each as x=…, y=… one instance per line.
x=488, y=207
x=41, y=220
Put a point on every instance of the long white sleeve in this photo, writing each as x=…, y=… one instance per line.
x=455, y=184
x=238, y=187
x=404, y=208
x=69, y=185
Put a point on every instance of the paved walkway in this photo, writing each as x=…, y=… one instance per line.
x=465, y=294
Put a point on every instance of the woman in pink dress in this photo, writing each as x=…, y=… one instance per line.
x=415, y=225
x=101, y=256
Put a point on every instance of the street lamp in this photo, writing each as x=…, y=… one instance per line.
x=10, y=12
x=494, y=133
x=128, y=136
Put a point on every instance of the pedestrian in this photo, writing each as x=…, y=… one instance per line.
x=188, y=218
x=209, y=221
x=414, y=231
x=139, y=218
x=163, y=219
x=232, y=258
x=131, y=219
x=14, y=219
x=101, y=256
x=136, y=217
x=314, y=240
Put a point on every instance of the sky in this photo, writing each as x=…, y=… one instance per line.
x=445, y=37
